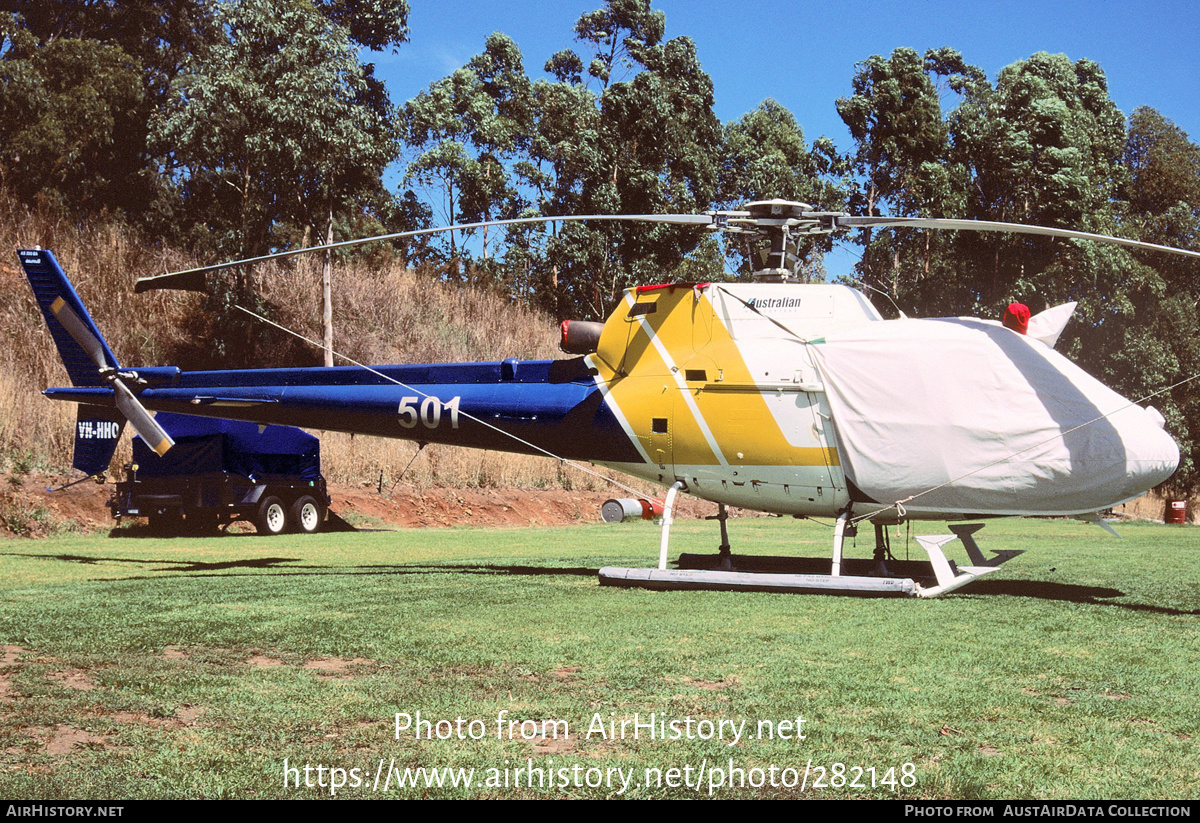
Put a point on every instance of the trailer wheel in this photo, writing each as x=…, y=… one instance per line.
x=271, y=517
x=306, y=515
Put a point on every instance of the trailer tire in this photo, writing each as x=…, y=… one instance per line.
x=306, y=515
x=271, y=517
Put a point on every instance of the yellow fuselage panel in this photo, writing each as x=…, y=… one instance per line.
x=673, y=369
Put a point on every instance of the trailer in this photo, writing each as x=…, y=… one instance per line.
x=220, y=471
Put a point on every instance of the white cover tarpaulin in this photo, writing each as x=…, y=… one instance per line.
x=963, y=416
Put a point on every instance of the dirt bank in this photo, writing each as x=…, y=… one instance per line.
x=27, y=509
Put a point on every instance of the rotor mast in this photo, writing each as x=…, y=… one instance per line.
x=782, y=223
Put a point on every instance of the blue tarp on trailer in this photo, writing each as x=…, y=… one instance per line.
x=205, y=444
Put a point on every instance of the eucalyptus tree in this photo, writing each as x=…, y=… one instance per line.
x=633, y=133
x=617, y=36
x=651, y=145
x=80, y=81
x=1162, y=347
x=562, y=149
x=468, y=130
x=902, y=162
x=273, y=125
x=763, y=155
x=65, y=106
x=277, y=127
x=1043, y=146
x=1162, y=188
x=1047, y=145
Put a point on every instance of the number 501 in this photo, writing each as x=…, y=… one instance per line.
x=427, y=412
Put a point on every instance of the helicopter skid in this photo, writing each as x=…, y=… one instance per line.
x=666, y=579
x=799, y=575
x=950, y=577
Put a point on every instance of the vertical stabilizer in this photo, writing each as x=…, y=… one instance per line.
x=89, y=363
x=53, y=291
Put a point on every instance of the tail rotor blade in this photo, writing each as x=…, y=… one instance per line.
x=78, y=330
x=155, y=435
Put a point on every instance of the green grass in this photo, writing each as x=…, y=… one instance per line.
x=168, y=668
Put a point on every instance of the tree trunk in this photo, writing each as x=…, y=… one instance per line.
x=327, y=292
x=245, y=275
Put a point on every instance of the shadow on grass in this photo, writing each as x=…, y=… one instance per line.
x=145, y=531
x=1035, y=589
x=171, y=568
x=206, y=569
x=1065, y=592
x=142, y=531
x=169, y=565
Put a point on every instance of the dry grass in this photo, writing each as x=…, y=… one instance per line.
x=383, y=313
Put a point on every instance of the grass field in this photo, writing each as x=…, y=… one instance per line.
x=175, y=668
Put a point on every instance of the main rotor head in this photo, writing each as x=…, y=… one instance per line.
x=783, y=223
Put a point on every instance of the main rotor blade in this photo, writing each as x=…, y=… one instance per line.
x=155, y=435
x=193, y=278
x=1014, y=228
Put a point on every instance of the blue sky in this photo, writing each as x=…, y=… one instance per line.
x=802, y=53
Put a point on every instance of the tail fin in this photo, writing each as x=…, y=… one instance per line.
x=97, y=428
x=52, y=290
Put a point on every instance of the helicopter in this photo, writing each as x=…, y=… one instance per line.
x=786, y=398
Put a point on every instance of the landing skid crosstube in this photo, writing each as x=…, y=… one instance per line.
x=882, y=576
